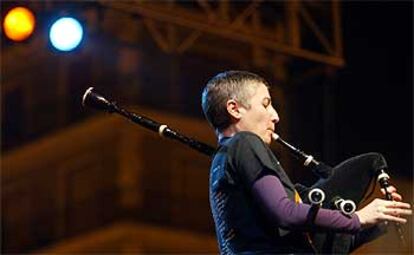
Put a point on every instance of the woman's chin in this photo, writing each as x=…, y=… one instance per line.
x=267, y=139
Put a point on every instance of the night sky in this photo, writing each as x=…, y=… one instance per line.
x=371, y=96
x=374, y=90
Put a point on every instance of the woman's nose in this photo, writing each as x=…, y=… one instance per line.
x=275, y=116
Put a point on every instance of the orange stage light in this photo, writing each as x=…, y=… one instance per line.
x=19, y=24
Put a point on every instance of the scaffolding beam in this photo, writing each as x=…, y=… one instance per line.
x=218, y=21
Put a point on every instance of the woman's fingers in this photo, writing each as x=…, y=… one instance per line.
x=397, y=204
x=380, y=210
x=397, y=211
x=396, y=196
x=394, y=218
x=390, y=189
x=393, y=191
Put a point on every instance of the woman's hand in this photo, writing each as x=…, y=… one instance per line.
x=393, y=191
x=380, y=210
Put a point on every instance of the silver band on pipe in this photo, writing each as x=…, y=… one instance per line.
x=161, y=130
x=383, y=175
x=308, y=160
x=85, y=95
x=275, y=136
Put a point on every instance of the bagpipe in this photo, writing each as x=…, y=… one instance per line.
x=342, y=187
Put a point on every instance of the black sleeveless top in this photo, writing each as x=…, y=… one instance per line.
x=241, y=227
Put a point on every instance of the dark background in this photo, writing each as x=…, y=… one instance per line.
x=365, y=106
x=374, y=107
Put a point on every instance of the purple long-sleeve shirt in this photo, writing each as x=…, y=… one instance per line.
x=271, y=195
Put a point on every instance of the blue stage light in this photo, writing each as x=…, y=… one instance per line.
x=66, y=34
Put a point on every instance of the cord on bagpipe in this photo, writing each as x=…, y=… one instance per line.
x=341, y=187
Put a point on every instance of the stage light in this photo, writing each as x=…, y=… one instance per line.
x=66, y=34
x=19, y=24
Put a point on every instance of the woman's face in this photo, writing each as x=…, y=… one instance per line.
x=261, y=117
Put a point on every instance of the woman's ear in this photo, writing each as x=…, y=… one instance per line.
x=234, y=109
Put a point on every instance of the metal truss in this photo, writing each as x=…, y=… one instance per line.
x=280, y=27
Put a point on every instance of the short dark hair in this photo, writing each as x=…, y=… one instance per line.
x=237, y=85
